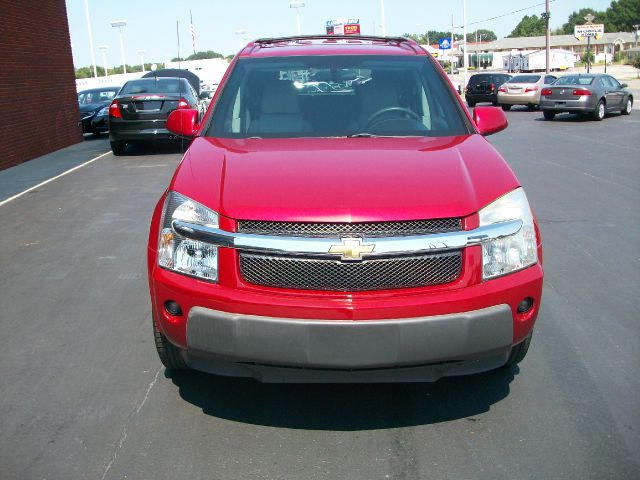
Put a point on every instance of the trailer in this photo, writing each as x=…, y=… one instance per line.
x=536, y=61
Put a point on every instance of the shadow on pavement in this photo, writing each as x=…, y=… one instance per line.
x=343, y=407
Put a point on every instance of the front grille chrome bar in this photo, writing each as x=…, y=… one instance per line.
x=382, y=246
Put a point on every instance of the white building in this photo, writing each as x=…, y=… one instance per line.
x=210, y=70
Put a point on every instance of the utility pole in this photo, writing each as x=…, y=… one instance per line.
x=383, y=23
x=451, y=49
x=464, y=41
x=546, y=15
x=93, y=55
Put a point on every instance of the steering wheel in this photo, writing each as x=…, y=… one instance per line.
x=383, y=111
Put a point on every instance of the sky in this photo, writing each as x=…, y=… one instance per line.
x=151, y=24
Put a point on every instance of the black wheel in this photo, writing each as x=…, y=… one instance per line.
x=548, y=114
x=519, y=352
x=506, y=108
x=532, y=107
x=96, y=134
x=169, y=354
x=627, y=107
x=118, y=147
x=471, y=103
x=495, y=103
x=598, y=113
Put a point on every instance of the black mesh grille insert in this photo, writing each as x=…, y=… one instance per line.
x=367, y=229
x=334, y=275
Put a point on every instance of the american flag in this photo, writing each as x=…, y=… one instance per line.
x=193, y=33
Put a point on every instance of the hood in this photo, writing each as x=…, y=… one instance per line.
x=342, y=179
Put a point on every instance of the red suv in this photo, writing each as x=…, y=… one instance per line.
x=339, y=216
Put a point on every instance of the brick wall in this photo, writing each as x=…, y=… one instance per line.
x=38, y=102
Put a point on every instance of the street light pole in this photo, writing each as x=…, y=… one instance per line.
x=120, y=24
x=464, y=41
x=93, y=55
x=383, y=25
x=103, y=49
x=141, y=52
x=240, y=34
x=297, y=5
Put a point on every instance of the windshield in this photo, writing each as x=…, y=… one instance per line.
x=524, y=79
x=574, y=80
x=88, y=97
x=323, y=96
x=155, y=85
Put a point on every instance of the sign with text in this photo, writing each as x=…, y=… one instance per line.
x=594, y=30
x=343, y=26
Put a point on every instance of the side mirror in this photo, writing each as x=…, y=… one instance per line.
x=623, y=85
x=183, y=122
x=489, y=120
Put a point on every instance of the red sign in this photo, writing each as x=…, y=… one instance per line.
x=352, y=29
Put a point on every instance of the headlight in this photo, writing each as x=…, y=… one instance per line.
x=181, y=254
x=517, y=251
x=103, y=111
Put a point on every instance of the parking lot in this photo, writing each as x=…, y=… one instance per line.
x=85, y=396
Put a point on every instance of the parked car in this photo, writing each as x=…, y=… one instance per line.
x=205, y=98
x=139, y=112
x=523, y=90
x=91, y=102
x=100, y=121
x=483, y=87
x=595, y=94
x=366, y=233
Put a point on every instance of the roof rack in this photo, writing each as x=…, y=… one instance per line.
x=330, y=37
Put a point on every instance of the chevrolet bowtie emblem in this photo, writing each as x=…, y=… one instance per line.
x=351, y=249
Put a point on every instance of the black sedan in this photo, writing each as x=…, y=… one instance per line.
x=91, y=102
x=139, y=112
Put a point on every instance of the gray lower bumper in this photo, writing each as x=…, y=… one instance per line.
x=280, y=349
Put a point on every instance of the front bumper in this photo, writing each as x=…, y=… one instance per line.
x=283, y=349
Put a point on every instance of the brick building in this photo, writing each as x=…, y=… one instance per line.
x=38, y=101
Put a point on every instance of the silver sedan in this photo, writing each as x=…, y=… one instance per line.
x=523, y=89
x=596, y=94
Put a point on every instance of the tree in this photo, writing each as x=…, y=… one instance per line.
x=487, y=35
x=199, y=56
x=529, y=26
x=577, y=18
x=622, y=16
x=431, y=37
x=636, y=64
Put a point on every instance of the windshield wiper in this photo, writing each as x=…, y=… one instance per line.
x=361, y=135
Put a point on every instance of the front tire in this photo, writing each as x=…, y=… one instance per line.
x=118, y=147
x=506, y=108
x=599, y=112
x=169, y=354
x=471, y=103
x=548, y=114
x=628, y=107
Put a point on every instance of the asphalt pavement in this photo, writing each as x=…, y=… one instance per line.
x=84, y=396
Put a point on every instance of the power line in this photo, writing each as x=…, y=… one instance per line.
x=507, y=14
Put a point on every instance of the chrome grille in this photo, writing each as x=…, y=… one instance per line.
x=366, y=229
x=333, y=275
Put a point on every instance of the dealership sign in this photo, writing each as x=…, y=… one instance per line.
x=589, y=30
x=343, y=26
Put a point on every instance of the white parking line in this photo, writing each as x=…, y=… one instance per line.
x=18, y=195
